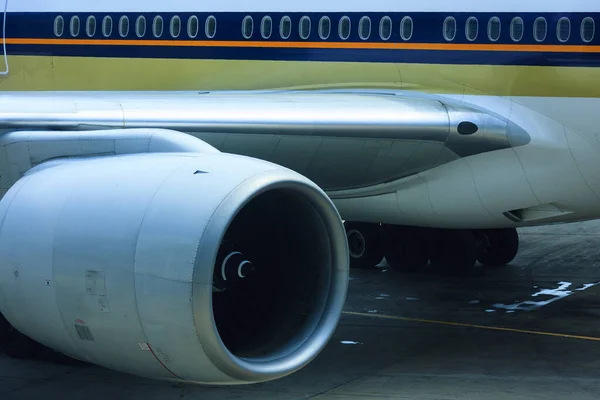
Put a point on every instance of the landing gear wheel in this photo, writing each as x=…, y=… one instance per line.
x=497, y=247
x=15, y=344
x=453, y=252
x=364, y=243
x=406, y=248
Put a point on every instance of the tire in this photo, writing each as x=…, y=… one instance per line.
x=498, y=247
x=17, y=345
x=453, y=252
x=365, y=244
x=406, y=248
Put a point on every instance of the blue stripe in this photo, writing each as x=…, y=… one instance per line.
x=428, y=28
x=331, y=55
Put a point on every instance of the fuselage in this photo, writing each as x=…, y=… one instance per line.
x=123, y=238
x=535, y=62
x=510, y=48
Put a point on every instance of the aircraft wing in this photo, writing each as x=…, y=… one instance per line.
x=133, y=236
x=340, y=140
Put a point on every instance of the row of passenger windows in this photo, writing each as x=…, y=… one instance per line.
x=193, y=26
x=325, y=26
x=344, y=27
x=517, y=29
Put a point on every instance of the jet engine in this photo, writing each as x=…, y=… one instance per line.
x=207, y=268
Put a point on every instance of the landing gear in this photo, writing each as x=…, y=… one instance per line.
x=16, y=345
x=409, y=249
x=406, y=248
x=497, y=247
x=365, y=244
x=453, y=252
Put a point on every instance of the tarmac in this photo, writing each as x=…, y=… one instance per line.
x=530, y=330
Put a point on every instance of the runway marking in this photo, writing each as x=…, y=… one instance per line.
x=556, y=294
x=491, y=328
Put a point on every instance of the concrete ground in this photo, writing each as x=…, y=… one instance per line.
x=417, y=337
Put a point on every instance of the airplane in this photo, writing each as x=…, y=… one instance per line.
x=185, y=184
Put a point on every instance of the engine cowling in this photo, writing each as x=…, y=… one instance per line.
x=209, y=268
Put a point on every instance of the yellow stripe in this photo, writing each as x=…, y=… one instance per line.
x=112, y=73
x=492, y=328
x=313, y=45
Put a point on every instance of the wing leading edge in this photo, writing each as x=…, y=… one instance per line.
x=342, y=141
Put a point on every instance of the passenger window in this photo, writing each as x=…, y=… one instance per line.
x=59, y=26
x=516, y=29
x=305, y=27
x=90, y=26
x=140, y=26
x=493, y=30
x=344, y=27
x=210, y=26
x=588, y=29
x=124, y=26
x=563, y=29
x=324, y=28
x=540, y=29
x=107, y=26
x=385, y=28
x=449, y=29
x=247, y=27
x=472, y=29
x=157, y=26
x=285, y=27
x=74, y=26
x=175, y=26
x=364, y=28
x=406, y=28
x=266, y=27
x=193, y=27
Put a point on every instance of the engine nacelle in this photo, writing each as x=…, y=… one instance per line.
x=209, y=268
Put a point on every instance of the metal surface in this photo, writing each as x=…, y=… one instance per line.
x=114, y=257
x=22, y=150
x=394, y=349
x=339, y=140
